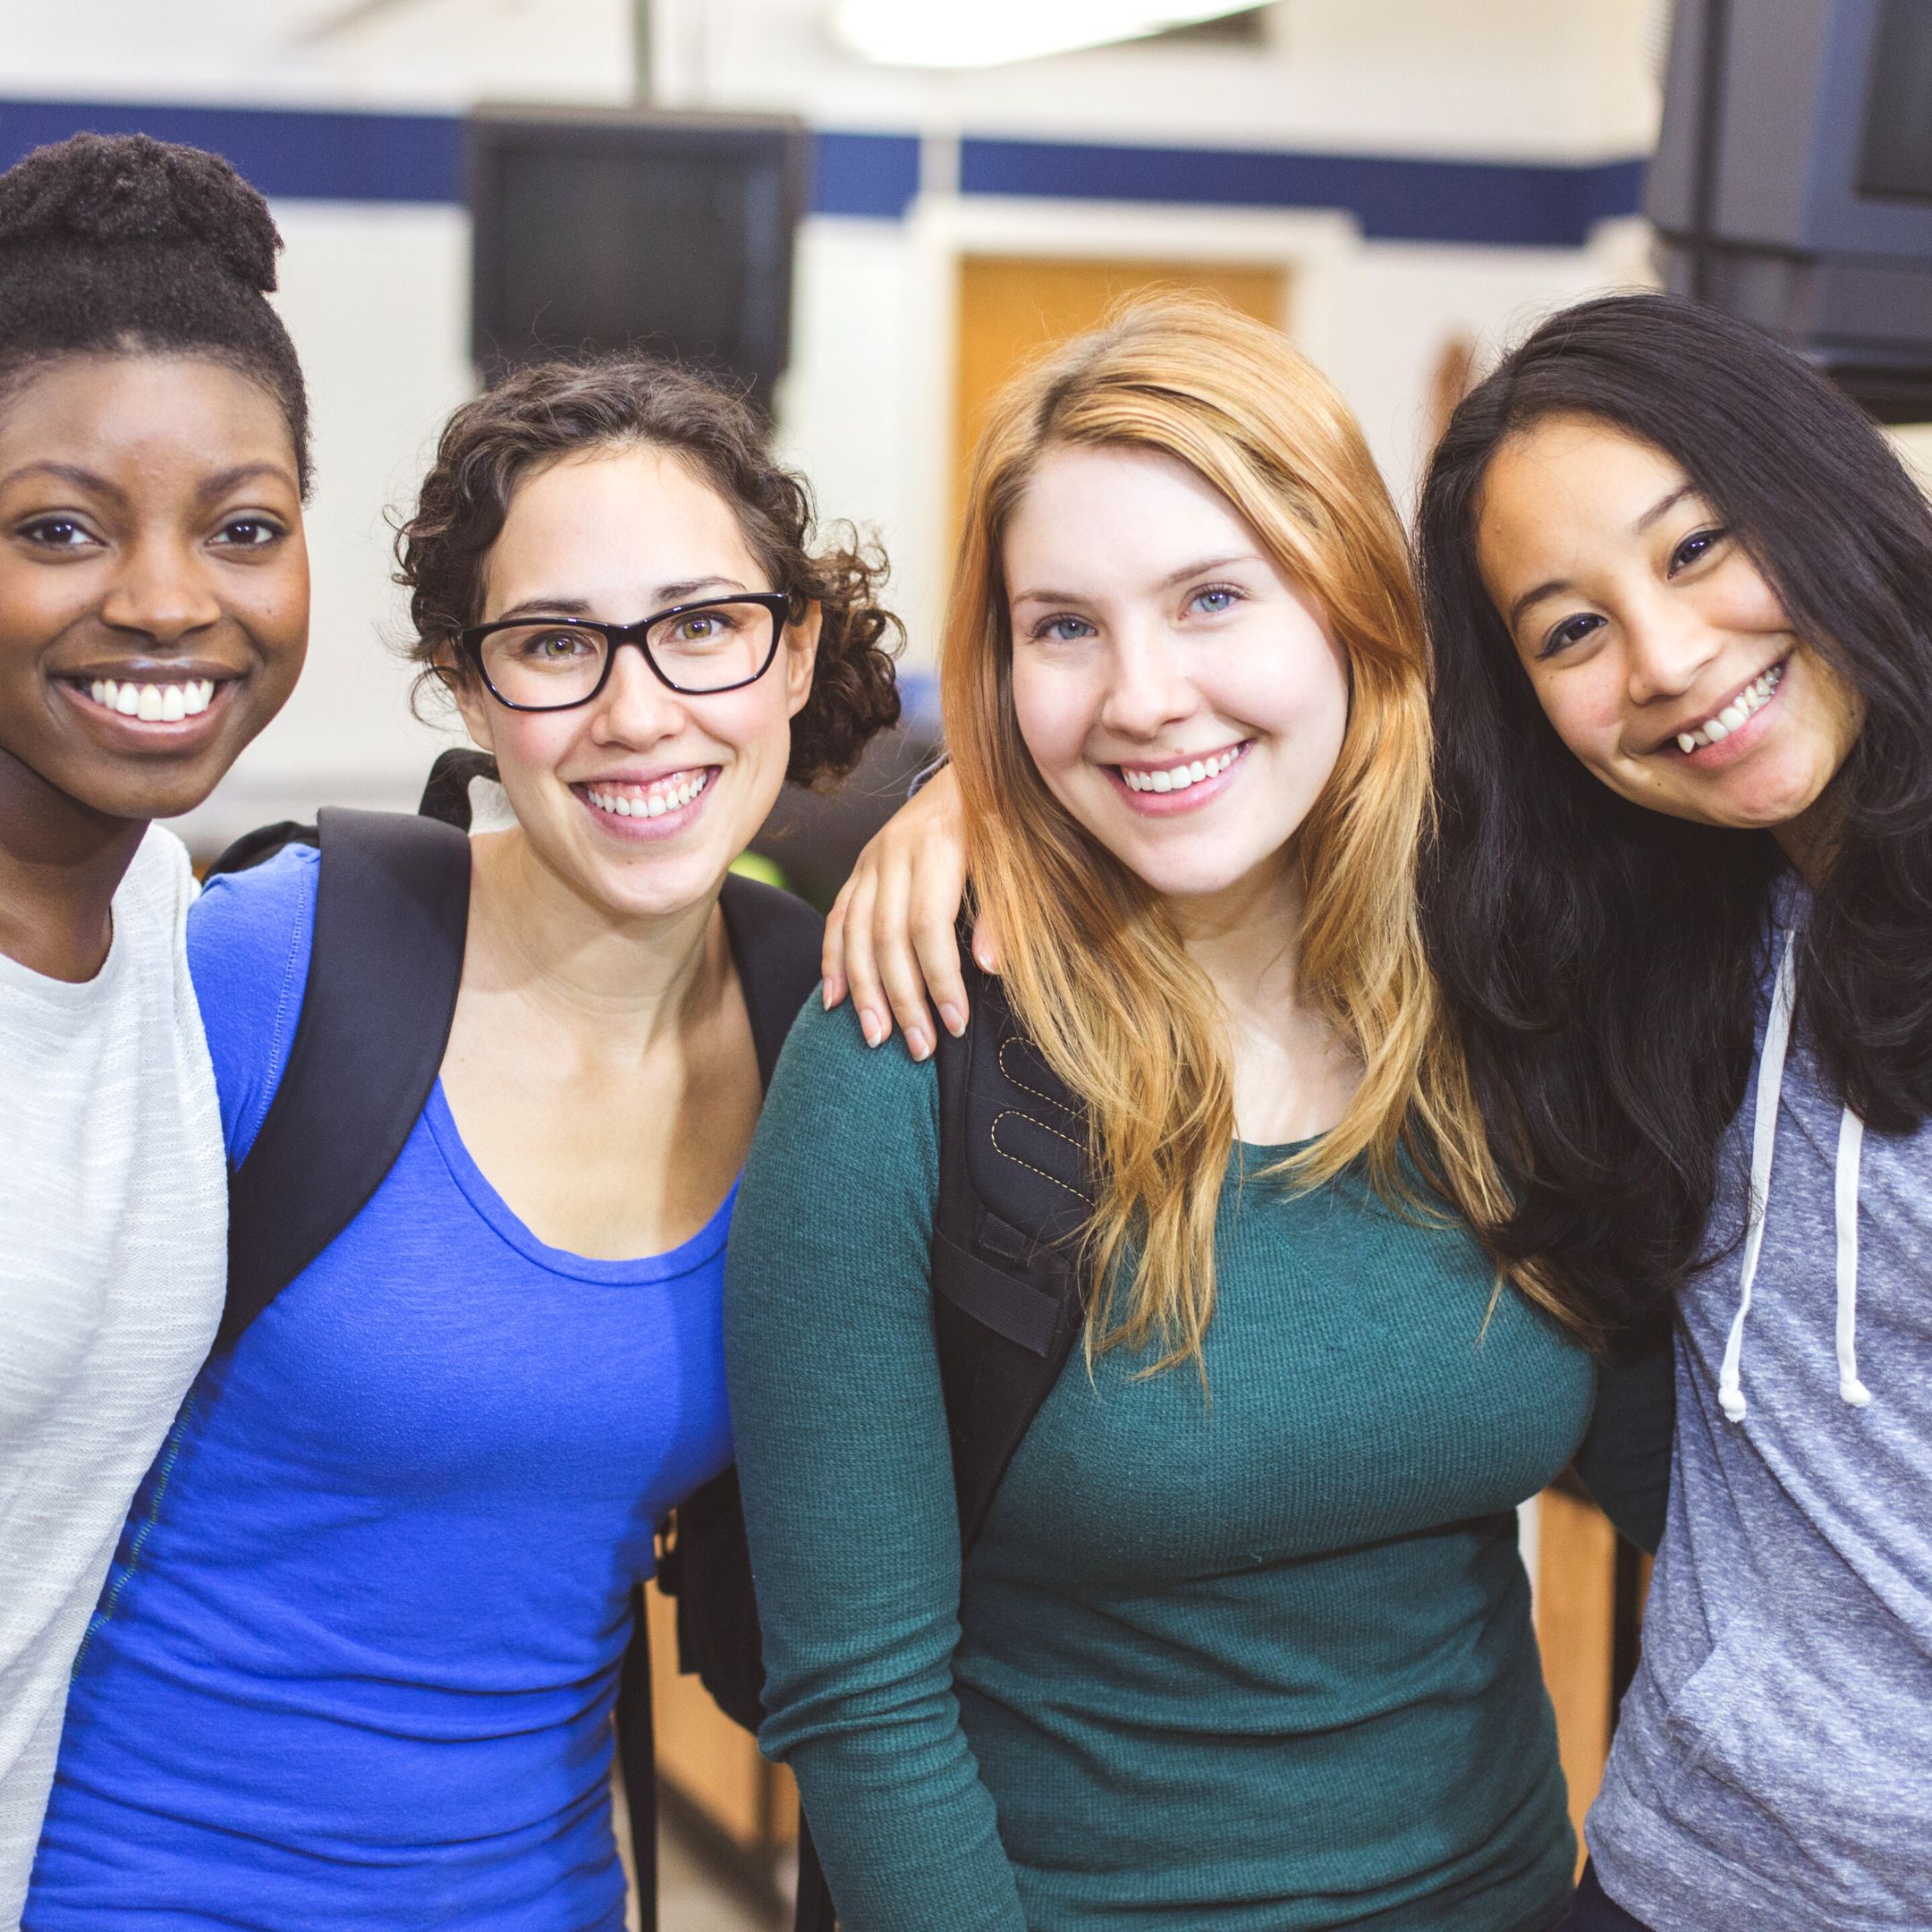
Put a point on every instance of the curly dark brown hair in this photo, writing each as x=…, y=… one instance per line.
x=535, y=415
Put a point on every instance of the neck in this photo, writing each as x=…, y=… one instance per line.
x=1293, y=1077
x=1810, y=840
x=630, y=979
x=61, y=863
x=1246, y=939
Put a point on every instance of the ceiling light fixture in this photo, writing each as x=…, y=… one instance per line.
x=988, y=33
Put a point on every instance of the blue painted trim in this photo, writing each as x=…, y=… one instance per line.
x=302, y=153
x=1496, y=203
x=307, y=154
x=875, y=174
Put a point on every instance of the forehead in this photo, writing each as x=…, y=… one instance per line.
x=618, y=518
x=1119, y=515
x=1564, y=492
x=123, y=416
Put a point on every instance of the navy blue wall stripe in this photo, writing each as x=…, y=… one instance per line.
x=304, y=154
x=326, y=154
x=1507, y=203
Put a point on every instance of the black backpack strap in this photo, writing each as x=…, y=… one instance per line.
x=1015, y=1191
x=392, y=907
x=775, y=941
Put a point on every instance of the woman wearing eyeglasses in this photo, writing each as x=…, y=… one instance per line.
x=356, y=1662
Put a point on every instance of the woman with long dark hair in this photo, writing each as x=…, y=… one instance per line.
x=1680, y=593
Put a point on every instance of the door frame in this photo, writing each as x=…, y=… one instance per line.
x=1313, y=248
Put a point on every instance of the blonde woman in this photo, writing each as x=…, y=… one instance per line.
x=1244, y=1641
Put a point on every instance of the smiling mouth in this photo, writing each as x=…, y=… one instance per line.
x=1751, y=699
x=669, y=793
x=1179, y=777
x=149, y=700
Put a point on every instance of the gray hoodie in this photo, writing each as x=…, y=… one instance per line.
x=1772, y=1763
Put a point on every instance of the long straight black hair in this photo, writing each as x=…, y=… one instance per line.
x=1604, y=960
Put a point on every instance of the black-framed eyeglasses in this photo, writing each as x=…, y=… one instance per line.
x=552, y=663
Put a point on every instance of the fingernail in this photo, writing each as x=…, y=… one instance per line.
x=870, y=1026
x=828, y=992
x=955, y=1021
x=917, y=1043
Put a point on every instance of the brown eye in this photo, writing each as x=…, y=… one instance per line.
x=1695, y=547
x=1571, y=630
x=56, y=533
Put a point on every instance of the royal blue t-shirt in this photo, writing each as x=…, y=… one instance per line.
x=355, y=1659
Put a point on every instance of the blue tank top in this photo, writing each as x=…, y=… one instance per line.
x=355, y=1659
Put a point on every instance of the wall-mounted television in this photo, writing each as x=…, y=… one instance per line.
x=1792, y=181
x=606, y=230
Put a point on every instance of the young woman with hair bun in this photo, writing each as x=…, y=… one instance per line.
x=356, y=1662
x=1244, y=1641
x=154, y=610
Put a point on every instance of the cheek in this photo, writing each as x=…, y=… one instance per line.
x=1054, y=711
x=1583, y=706
x=529, y=746
x=1739, y=599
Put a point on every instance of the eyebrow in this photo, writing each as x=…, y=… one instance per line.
x=219, y=486
x=80, y=479
x=100, y=486
x=1663, y=508
x=1168, y=582
x=662, y=598
x=1648, y=521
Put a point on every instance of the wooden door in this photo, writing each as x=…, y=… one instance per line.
x=1013, y=306
x=1590, y=1589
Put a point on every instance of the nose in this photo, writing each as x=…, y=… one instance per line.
x=1667, y=646
x=636, y=707
x=1149, y=688
x=162, y=592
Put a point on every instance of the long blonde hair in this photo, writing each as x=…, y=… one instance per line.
x=1092, y=961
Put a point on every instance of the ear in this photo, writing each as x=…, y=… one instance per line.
x=800, y=658
x=472, y=702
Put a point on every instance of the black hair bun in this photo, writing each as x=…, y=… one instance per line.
x=114, y=188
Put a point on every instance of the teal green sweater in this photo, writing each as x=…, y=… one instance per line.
x=1260, y=1659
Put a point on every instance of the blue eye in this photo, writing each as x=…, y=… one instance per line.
x=1695, y=547
x=1216, y=600
x=1571, y=630
x=1062, y=630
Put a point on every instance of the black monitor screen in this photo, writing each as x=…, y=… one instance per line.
x=669, y=238
x=1896, y=158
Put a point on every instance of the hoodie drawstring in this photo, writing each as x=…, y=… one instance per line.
x=1764, y=1137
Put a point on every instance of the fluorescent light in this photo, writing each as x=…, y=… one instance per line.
x=986, y=33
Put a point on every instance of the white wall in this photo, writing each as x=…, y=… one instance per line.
x=376, y=296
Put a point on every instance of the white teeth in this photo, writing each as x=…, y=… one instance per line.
x=1754, y=697
x=1179, y=777
x=152, y=703
x=653, y=804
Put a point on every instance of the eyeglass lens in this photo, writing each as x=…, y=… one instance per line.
x=548, y=663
